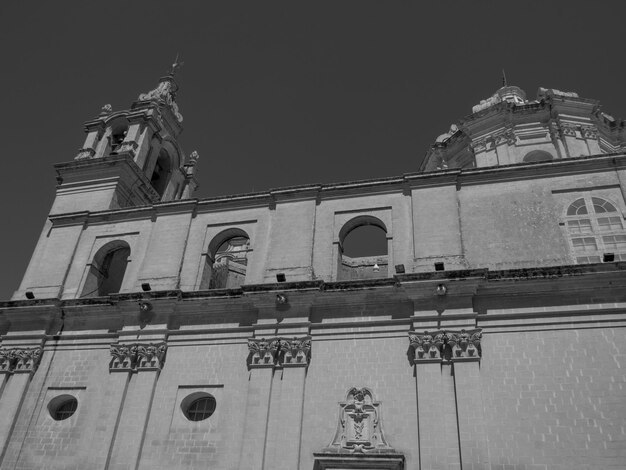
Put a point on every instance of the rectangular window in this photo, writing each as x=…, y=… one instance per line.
x=587, y=259
x=607, y=224
x=579, y=226
x=615, y=242
x=585, y=244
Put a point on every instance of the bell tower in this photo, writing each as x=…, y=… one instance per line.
x=130, y=157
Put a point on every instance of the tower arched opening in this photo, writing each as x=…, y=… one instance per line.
x=161, y=173
x=119, y=129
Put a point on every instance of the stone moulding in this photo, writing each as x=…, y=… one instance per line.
x=286, y=352
x=134, y=357
x=446, y=345
x=359, y=441
x=19, y=360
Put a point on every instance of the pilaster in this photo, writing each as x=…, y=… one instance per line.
x=285, y=421
x=262, y=362
x=141, y=363
x=450, y=411
x=17, y=364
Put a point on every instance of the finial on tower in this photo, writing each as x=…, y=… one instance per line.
x=175, y=66
x=503, y=77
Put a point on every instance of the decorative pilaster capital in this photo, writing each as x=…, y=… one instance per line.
x=151, y=356
x=263, y=351
x=286, y=352
x=123, y=357
x=568, y=129
x=505, y=136
x=589, y=132
x=295, y=351
x=137, y=356
x=446, y=345
x=19, y=360
x=479, y=145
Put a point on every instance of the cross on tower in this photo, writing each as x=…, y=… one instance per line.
x=175, y=66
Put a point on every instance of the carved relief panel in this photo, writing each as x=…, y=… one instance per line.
x=359, y=441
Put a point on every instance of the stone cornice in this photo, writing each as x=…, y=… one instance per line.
x=399, y=184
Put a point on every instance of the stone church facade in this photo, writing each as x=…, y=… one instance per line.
x=153, y=330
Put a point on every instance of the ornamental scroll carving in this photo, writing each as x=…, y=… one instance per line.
x=359, y=428
x=279, y=351
x=137, y=356
x=19, y=360
x=446, y=344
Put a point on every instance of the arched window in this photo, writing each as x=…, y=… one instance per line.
x=226, y=260
x=537, y=156
x=107, y=270
x=363, y=252
x=596, y=230
x=161, y=173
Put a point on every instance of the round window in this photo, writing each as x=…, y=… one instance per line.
x=198, y=406
x=62, y=407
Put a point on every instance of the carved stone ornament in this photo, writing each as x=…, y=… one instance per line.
x=263, y=351
x=137, y=356
x=85, y=153
x=479, y=146
x=19, y=360
x=359, y=441
x=506, y=135
x=446, y=345
x=568, y=129
x=295, y=351
x=589, y=132
x=150, y=356
x=194, y=157
x=106, y=109
x=165, y=92
x=127, y=146
x=286, y=352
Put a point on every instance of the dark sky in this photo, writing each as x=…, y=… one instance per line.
x=280, y=93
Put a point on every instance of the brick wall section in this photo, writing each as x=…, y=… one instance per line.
x=555, y=400
x=470, y=415
x=217, y=367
